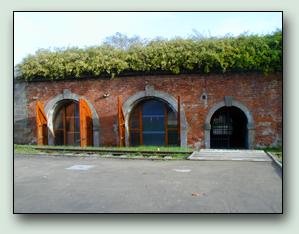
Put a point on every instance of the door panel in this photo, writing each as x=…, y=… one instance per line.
x=66, y=124
x=41, y=124
x=86, y=126
x=121, y=123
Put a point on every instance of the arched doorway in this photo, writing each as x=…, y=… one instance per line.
x=151, y=93
x=88, y=116
x=153, y=122
x=229, y=129
x=67, y=123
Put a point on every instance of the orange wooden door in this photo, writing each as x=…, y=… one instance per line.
x=86, y=133
x=41, y=124
x=121, y=123
x=179, y=120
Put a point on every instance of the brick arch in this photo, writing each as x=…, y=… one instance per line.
x=54, y=103
x=229, y=101
x=150, y=92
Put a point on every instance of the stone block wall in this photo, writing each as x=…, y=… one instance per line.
x=23, y=133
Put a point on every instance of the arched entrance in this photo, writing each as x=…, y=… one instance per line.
x=67, y=123
x=89, y=120
x=153, y=122
x=228, y=129
x=241, y=121
x=151, y=93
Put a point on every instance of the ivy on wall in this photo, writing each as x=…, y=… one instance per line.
x=227, y=54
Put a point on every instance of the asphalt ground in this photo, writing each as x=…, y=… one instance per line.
x=49, y=184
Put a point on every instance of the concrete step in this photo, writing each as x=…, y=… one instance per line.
x=233, y=155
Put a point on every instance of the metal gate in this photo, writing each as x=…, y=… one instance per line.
x=221, y=129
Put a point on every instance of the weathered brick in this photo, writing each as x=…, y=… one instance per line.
x=261, y=94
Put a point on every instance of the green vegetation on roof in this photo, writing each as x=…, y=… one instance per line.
x=244, y=53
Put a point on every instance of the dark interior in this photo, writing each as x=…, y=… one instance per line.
x=229, y=129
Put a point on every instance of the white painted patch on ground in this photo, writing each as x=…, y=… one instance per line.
x=80, y=167
x=182, y=170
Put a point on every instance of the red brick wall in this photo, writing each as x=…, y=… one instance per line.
x=262, y=95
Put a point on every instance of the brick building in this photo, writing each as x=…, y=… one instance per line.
x=231, y=110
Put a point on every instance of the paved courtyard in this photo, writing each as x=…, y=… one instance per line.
x=58, y=184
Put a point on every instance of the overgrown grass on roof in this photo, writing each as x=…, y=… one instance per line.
x=228, y=54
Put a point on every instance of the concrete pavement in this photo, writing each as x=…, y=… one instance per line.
x=52, y=184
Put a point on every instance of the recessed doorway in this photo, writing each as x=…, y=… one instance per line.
x=229, y=129
x=153, y=122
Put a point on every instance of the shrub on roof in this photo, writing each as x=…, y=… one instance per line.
x=228, y=54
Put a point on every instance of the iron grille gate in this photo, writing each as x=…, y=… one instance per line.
x=221, y=130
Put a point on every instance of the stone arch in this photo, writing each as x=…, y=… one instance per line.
x=53, y=104
x=229, y=101
x=150, y=92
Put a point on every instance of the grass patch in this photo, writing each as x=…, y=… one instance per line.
x=25, y=149
x=137, y=148
x=279, y=156
x=138, y=152
x=277, y=152
x=272, y=149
